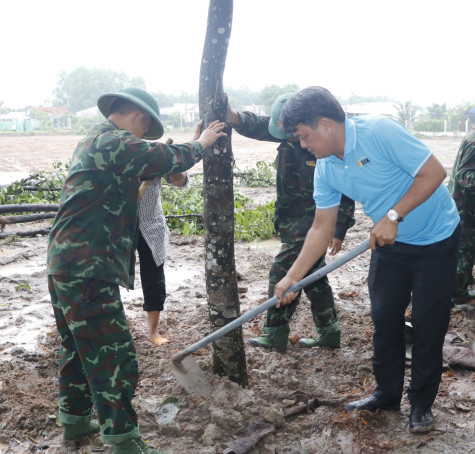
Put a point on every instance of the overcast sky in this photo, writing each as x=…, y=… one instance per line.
x=418, y=50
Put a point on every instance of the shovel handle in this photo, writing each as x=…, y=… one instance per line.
x=271, y=302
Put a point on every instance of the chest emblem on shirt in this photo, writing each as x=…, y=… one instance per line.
x=363, y=161
x=310, y=163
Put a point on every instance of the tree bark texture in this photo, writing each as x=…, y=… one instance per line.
x=221, y=281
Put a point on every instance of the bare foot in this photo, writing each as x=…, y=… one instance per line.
x=160, y=341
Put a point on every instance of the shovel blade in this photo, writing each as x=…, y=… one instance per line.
x=189, y=375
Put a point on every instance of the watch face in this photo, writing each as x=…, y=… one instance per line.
x=392, y=215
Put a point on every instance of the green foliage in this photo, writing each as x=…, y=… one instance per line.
x=239, y=97
x=262, y=175
x=84, y=124
x=271, y=92
x=184, y=201
x=47, y=187
x=22, y=286
x=429, y=125
x=80, y=89
x=407, y=113
x=251, y=222
x=4, y=110
x=437, y=111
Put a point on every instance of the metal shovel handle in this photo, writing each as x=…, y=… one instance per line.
x=271, y=302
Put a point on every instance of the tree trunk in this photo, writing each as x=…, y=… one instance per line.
x=221, y=282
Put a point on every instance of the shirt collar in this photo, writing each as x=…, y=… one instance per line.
x=350, y=136
x=350, y=141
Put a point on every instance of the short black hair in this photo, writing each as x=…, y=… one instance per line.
x=308, y=106
x=124, y=107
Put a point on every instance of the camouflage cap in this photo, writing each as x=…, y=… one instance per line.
x=141, y=99
x=274, y=129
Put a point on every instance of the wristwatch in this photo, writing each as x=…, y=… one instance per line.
x=394, y=216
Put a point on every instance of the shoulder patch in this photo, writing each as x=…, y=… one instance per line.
x=310, y=163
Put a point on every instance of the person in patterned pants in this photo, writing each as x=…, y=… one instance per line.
x=462, y=188
x=294, y=214
x=91, y=251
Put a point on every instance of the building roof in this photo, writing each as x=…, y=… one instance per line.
x=55, y=111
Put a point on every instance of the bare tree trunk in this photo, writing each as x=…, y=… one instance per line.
x=221, y=282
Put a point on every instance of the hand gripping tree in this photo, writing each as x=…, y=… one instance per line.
x=221, y=281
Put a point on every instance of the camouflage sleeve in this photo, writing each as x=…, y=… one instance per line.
x=121, y=152
x=465, y=172
x=255, y=127
x=346, y=217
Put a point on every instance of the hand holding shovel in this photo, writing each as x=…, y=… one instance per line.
x=188, y=373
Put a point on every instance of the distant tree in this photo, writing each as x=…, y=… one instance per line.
x=239, y=97
x=80, y=89
x=457, y=117
x=271, y=92
x=356, y=99
x=4, y=110
x=406, y=113
x=163, y=99
x=437, y=111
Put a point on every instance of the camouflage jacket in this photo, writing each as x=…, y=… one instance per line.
x=462, y=181
x=294, y=207
x=95, y=231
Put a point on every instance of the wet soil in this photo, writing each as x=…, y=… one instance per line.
x=318, y=382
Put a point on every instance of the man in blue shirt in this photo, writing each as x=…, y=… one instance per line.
x=414, y=241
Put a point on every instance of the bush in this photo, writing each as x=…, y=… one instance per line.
x=251, y=223
x=432, y=125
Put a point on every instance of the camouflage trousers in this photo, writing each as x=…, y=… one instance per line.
x=320, y=293
x=465, y=266
x=97, y=358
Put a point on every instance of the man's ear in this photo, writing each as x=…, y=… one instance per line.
x=137, y=117
x=326, y=124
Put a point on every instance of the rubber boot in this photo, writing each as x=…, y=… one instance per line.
x=329, y=337
x=274, y=337
x=76, y=431
x=134, y=446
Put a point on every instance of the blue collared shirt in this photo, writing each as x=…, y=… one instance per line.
x=380, y=162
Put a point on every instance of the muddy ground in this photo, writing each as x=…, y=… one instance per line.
x=278, y=382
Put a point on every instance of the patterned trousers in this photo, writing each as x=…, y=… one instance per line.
x=97, y=359
x=465, y=265
x=320, y=293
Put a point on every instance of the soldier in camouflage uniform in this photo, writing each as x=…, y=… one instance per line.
x=92, y=251
x=294, y=214
x=462, y=188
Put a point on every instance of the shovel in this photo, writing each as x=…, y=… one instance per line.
x=185, y=369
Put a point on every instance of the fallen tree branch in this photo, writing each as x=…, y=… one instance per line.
x=24, y=208
x=176, y=216
x=5, y=220
x=258, y=429
x=27, y=233
x=36, y=189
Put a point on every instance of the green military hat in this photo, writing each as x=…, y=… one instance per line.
x=274, y=129
x=140, y=98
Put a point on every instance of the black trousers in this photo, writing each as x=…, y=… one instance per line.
x=152, y=278
x=428, y=272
